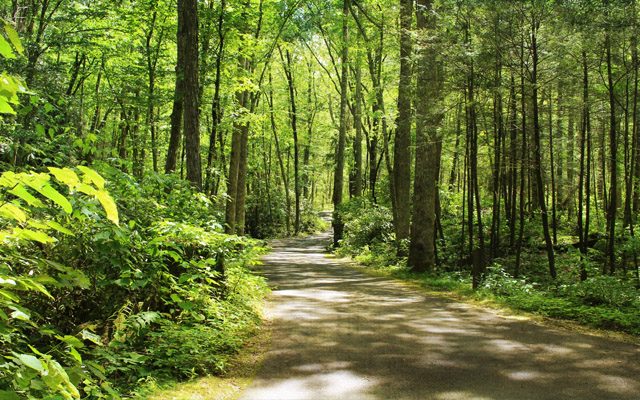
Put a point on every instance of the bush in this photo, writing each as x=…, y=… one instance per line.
x=500, y=282
x=98, y=299
x=605, y=290
x=366, y=224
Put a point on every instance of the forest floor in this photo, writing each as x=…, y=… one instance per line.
x=339, y=333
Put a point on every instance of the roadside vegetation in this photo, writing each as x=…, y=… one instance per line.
x=601, y=301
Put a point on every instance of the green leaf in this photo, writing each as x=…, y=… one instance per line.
x=14, y=38
x=59, y=228
x=40, y=129
x=49, y=192
x=74, y=353
x=92, y=176
x=90, y=336
x=5, y=107
x=71, y=341
x=86, y=189
x=7, y=281
x=17, y=314
x=30, y=361
x=38, y=225
x=5, y=48
x=8, y=395
x=21, y=192
x=66, y=176
x=11, y=211
x=35, y=286
x=10, y=296
x=109, y=206
x=36, y=236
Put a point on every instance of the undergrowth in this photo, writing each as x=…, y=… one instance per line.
x=99, y=306
x=607, y=302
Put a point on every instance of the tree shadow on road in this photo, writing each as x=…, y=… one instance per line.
x=338, y=333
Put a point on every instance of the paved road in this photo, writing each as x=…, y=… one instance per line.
x=340, y=334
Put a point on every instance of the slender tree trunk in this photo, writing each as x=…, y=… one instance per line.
x=283, y=172
x=497, y=141
x=357, y=142
x=524, y=164
x=402, y=149
x=175, y=135
x=216, y=111
x=294, y=128
x=537, y=149
x=554, y=187
x=584, y=185
x=513, y=159
x=613, y=149
x=456, y=150
x=338, y=179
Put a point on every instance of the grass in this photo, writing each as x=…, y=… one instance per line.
x=240, y=373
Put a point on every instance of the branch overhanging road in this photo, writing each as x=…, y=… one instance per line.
x=341, y=334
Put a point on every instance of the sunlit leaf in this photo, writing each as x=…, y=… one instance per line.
x=66, y=176
x=17, y=314
x=49, y=192
x=30, y=361
x=5, y=48
x=59, y=228
x=109, y=206
x=11, y=211
x=36, y=236
x=90, y=336
x=14, y=38
x=21, y=192
x=92, y=176
x=5, y=107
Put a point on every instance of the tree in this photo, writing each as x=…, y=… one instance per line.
x=402, y=155
x=338, y=180
x=429, y=113
x=189, y=32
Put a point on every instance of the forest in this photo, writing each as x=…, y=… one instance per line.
x=150, y=148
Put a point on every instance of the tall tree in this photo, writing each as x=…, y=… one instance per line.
x=429, y=113
x=338, y=177
x=402, y=150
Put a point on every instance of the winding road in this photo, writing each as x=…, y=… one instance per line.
x=338, y=333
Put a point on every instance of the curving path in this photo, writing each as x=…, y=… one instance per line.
x=341, y=334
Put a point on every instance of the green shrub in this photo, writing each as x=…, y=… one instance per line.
x=605, y=290
x=500, y=282
x=366, y=224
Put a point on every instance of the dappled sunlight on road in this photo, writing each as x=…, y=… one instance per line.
x=340, y=334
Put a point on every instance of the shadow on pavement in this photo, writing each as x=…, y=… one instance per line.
x=340, y=334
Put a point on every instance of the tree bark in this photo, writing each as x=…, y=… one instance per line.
x=338, y=178
x=422, y=250
x=402, y=150
x=175, y=135
x=189, y=30
x=537, y=149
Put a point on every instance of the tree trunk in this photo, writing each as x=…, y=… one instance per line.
x=422, y=255
x=402, y=150
x=537, y=150
x=338, y=178
x=189, y=30
x=613, y=149
x=216, y=111
x=294, y=128
x=585, y=169
x=175, y=135
x=357, y=141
